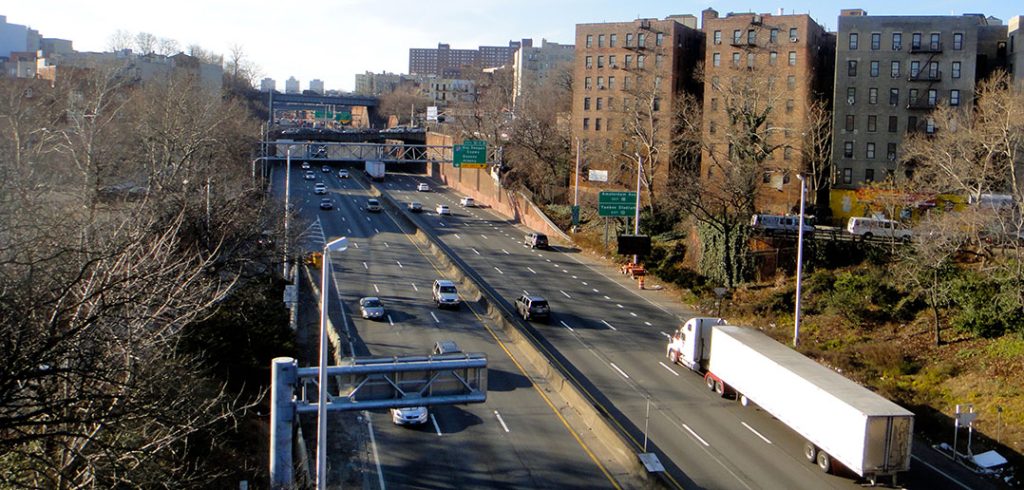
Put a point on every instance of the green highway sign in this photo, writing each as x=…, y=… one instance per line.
x=616, y=204
x=470, y=154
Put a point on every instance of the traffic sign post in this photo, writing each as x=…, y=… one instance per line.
x=616, y=204
x=470, y=154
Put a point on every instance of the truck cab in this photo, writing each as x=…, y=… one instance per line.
x=691, y=343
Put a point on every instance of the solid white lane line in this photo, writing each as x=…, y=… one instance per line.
x=434, y=317
x=756, y=433
x=414, y=288
x=567, y=326
x=673, y=371
x=390, y=321
x=623, y=373
x=499, y=270
x=565, y=294
x=436, y=427
x=632, y=314
x=376, y=289
x=373, y=444
x=474, y=250
x=365, y=266
x=694, y=434
x=609, y=325
x=502, y=421
x=400, y=266
x=531, y=270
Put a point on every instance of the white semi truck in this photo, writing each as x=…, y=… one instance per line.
x=375, y=170
x=841, y=421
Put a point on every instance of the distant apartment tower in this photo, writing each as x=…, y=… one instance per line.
x=621, y=69
x=448, y=63
x=291, y=86
x=891, y=72
x=384, y=83
x=745, y=50
x=316, y=85
x=532, y=66
x=268, y=85
x=1015, y=52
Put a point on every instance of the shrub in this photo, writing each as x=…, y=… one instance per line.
x=862, y=295
x=985, y=306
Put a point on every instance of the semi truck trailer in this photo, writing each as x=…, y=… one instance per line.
x=842, y=422
x=375, y=170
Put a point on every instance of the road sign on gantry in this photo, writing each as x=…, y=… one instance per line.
x=470, y=154
x=616, y=204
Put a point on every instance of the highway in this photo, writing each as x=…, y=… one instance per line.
x=612, y=337
x=515, y=440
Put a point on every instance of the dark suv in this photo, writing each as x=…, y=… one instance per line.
x=532, y=307
x=536, y=240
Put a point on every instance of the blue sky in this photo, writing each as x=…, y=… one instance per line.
x=334, y=39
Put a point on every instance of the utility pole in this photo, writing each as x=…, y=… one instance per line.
x=799, y=259
x=636, y=218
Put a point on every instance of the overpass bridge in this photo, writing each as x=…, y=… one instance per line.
x=312, y=102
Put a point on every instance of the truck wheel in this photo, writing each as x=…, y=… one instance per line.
x=867, y=237
x=710, y=382
x=744, y=400
x=810, y=452
x=824, y=461
x=674, y=357
x=720, y=388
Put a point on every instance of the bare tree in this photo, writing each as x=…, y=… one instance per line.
x=404, y=99
x=539, y=149
x=146, y=43
x=120, y=40
x=167, y=47
x=817, y=152
x=239, y=71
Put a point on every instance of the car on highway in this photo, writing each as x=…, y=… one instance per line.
x=423, y=187
x=320, y=188
x=409, y=415
x=467, y=202
x=325, y=169
x=305, y=165
x=445, y=293
x=415, y=207
x=326, y=204
x=310, y=175
x=442, y=209
x=343, y=174
x=868, y=228
x=536, y=240
x=532, y=307
x=373, y=205
x=371, y=307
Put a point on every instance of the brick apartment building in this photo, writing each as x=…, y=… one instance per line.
x=750, y=50
x=621, y=68
x=446, y=62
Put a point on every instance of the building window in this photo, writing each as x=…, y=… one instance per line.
x=586, y=103
x=629, y=40
x=597, y=124
x=956, y=70
x=600, y=40
x=912, y=124
x=773, y=36
x=628, y=61
x=659, y=59
x=611, y=61
x=934, y=44
x=958, y=41
x=590, y=40
x=599, y=105
x=873, y=70
x=933, y=70
x=659, y=39
x=847, y=147
x=872, y=123
x=751, y=37
x=853, y=41
x=716, y=59
x=897, y=41
x=641, y=40
x=717, y=36
x=851, y=68
x=736, y=36
x=711, y=127
x=714, y=103
x=787, y=154
x=915, y=40
x=894, y=96
x=890, y=152
x=789, y=105
x=792, y=35
x=850, y=123
x=589, y=62
x=912, y=96
x=929, y=126
x=954, y=97
x=735, y=59
x=612, y=40
x=876, y=41
x=766, y=177
x=869, y=175
x=611, y=106
x=625, y=86
x=792, y=58
x=873, y=95
x=586, y=123
x=851, y=95
x=586, y=83
x=915, y=69
x=791, y=82
x=600, y=83
x=656, y=104
x=894, y=69
x=773, y=58
x=750, y=60
x=640, y=61
x=847, y=175
x=869, y=152
x=611, y=86
x=893, y=124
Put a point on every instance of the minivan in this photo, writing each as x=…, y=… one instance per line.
x=868, y=228
x=536, y=240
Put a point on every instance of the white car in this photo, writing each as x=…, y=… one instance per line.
x=442, y=209
x=467, y=202
x=371, y=307
x=320, y=188
x=342, y=174
x=423, y=187
x=409, y=415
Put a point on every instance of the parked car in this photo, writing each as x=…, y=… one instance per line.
x=868, y=228
x=371, y=307
x=320, y=188
x=343, y=174
x=326, y=204
x=415, y=207
x=423, y=187
x=467, y=202
x=409, y=415
x=772, y=223
x=373, y=205
x=310, y=175
x=442, y=209
x=532, y=307
x=536, y=240
x=445, y=293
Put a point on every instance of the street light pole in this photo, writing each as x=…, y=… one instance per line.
x=636, y=217
x=799, y=259
x=287, y=209
x=341, y=244
x=576, y=197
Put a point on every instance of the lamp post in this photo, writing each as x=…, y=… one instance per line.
x=636, y=217
x=340, y=245
x=799, y=259
x=287, y=208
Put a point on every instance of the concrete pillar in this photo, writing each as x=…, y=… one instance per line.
x=282, y=419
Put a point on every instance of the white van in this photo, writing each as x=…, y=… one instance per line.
x=773, y=223
x=868, y=228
